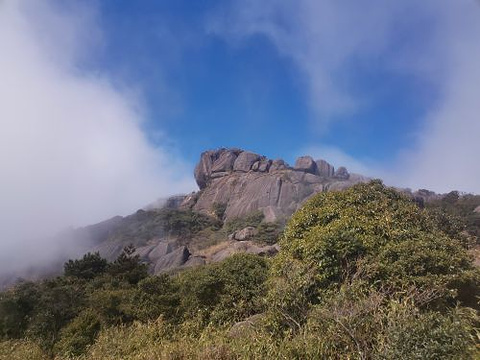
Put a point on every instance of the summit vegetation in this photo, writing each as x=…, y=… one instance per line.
x=363, y=273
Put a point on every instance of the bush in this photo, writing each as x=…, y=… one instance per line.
x=254, y=219
x=411, y=334
x=78, y=334
x=157, y=296
x=269, y=233
x=219, y=210
x=224, y=292
x=370, y=234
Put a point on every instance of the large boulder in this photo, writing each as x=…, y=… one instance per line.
x=160, y=250
x=342, y=173
x=244, y=234
x=249, y=247
x=324, y=168
x=214, y=161
x=225, y=162
x=172, y=260
x=278, y=164
x=306, y=164
x=245, y=161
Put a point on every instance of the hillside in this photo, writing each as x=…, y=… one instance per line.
x=363, y=273
x=243, y=203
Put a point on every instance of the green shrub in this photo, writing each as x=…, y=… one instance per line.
x=253, y=219
x=369, y=234
x=411, y=334
x=224, y=292
x=78, y=334
x=268, y=233
x=219, y=210
x=157, y=296
x=17, y=306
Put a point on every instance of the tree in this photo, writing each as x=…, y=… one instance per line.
x=128, y=266
x=88, y=267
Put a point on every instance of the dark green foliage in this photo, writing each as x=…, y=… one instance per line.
x=88, y=267
x=219, y=210
x=16, y=308
x=254, y=219
x=460, y=207
x=224, y=292
x=268, y=233
x=78, y=334
x=157, y=296
x=57, y=302
x=367, y=234
x=114, y=306
x=145, y=225
x=128, y=267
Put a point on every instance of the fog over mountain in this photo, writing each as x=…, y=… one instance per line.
x=72, y=147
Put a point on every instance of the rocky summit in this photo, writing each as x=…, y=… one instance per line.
x=212, y=223
x=244, y=182
x=233, y=184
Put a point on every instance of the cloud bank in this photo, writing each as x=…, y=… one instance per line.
x=432, y=42
x=72, y=149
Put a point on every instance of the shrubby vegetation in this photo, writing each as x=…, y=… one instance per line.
x=144, y=225
x=254, y=219
x=362, y=274
x=63, y=316
x=268, y=232
x=461, y=207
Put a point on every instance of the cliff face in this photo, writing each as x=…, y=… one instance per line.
x=245, y=182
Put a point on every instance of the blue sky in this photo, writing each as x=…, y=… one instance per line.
x=106, y=105
x=205, y=91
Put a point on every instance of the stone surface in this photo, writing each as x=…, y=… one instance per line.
x=171, y=260
x=257, y=183
x=244, y=234
x=306, y=164
x=249, y=247
x=324, y=168
x=342, y=173
x=160, y=250
x=225, y=162
x=264, y=165
x=245, y=161
x=278, y=164
x=195, y=261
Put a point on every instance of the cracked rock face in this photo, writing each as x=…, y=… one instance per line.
x=246, y=182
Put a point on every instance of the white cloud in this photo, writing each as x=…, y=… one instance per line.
x=322, y=38
x=337, y=158
x=434, y=42
x=72, y=149
x=444, y=157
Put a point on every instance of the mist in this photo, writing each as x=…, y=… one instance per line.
x=72, y=146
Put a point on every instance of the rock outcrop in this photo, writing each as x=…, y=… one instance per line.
x=244, y=234
x=246, y=182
